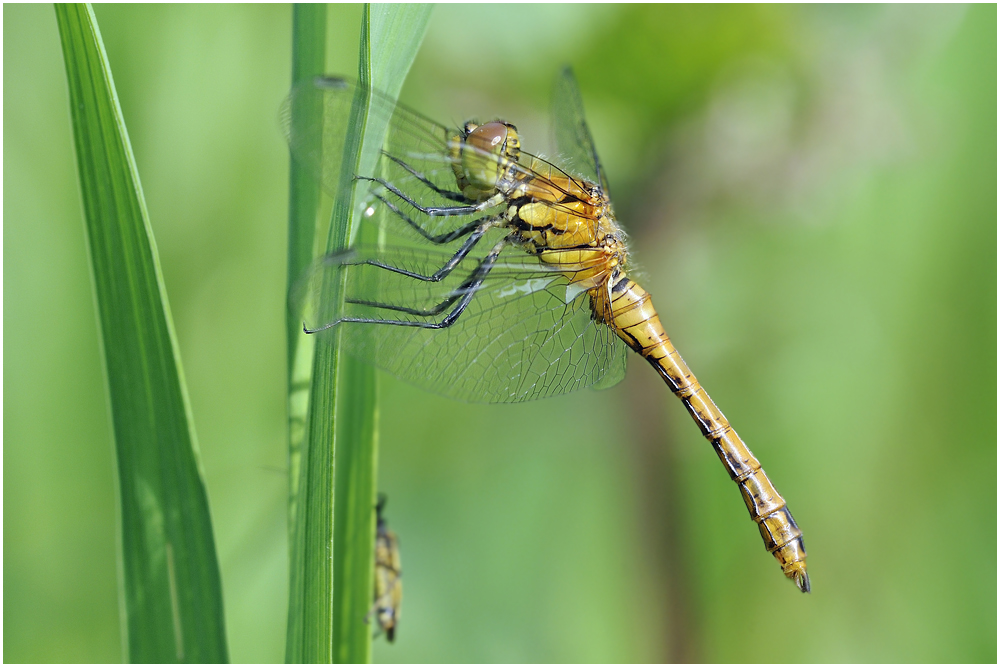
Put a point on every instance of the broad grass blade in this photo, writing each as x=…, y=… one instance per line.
x=171, y=589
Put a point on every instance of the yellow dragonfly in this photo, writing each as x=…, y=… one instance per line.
x=489, y=274
x=388, y=594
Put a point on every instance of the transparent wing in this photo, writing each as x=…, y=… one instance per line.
x=573, y=140
x=418, y=158
x=523, y=334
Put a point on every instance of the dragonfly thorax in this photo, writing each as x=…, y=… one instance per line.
x=580, y=239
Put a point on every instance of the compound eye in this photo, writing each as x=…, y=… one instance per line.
x=491, y=148
x=489, y=137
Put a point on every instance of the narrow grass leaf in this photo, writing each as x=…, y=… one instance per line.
x=308, y=60
x=171, y=590
x=393, y=37
x=335, y=529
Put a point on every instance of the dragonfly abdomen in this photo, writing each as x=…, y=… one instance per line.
x=629, y=311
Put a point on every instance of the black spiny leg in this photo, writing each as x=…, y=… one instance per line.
x=437, y=210
x=446, y=237
x=463, y=295
x=438, y=275
x=447, y=194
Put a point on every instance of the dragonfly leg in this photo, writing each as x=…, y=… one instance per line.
x=441, y=273
x=495, y=200
x=433, y=311
x=447, y=194
x=463, y=295
x=446, y=237
x=472, y=285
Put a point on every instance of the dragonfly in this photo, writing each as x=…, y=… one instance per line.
x=485, y=273
x=388, y=594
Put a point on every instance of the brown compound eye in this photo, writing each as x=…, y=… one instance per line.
x=493, y=146
x=490, y=137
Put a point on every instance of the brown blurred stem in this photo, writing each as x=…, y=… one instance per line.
x=662, y=508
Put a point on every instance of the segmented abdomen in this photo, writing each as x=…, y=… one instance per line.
x=630, y=313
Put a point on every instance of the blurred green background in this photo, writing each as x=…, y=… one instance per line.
x=811, y=198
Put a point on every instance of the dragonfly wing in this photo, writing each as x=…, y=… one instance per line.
x=523, y=335
x=573, y=140
x=615, y=371
x=417, y=154
x=314, y=118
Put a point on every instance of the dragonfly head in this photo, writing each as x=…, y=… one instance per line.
x=482, y=155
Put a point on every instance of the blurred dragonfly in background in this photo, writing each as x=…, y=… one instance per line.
x=485, y=273
x=388, y=594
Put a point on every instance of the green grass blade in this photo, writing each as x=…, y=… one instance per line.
x=396, y=34
x=337, y=495
x=172, y=594
x=393, y=37
x=308, y=60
